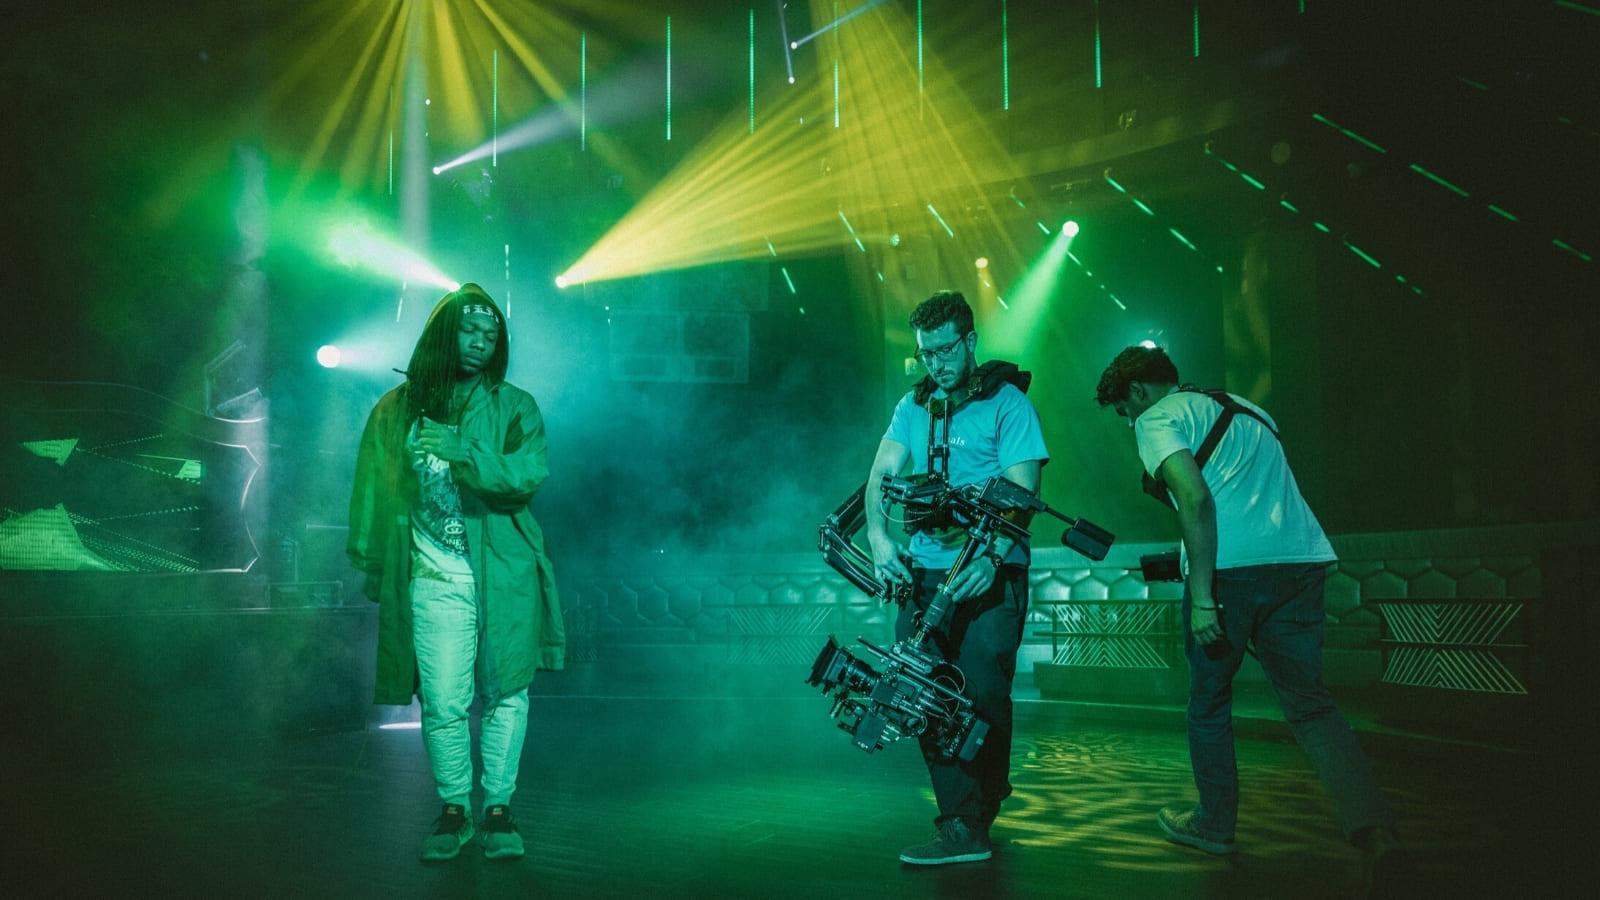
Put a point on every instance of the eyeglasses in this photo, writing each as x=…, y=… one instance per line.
x=929, y=355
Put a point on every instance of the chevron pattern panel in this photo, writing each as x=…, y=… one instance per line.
x=783, y=635
x=1456, y=646
x=1111, y=634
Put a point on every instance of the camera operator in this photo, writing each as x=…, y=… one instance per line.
x=963, y=423
x=1256, y=563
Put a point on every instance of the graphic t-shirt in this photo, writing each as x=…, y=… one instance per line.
x=438, y=529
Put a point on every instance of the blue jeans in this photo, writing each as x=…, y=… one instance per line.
x=1278, y=609
x=445, y=632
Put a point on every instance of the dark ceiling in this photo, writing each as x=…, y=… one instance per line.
x=121, y=117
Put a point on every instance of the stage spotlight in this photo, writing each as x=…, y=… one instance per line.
x=1069, y=228
x=981, y=262
x=328, y=355
x=355, y=243
x=561, y=281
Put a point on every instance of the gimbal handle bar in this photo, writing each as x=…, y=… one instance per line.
x=987, y=506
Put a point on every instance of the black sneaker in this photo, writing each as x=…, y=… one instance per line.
x=500, y=837
x=451, y=831
x=955, y=842
x=1178, y=825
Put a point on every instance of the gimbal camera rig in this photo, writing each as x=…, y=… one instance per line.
x=918, y=692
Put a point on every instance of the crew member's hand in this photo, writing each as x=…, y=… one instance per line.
x=888, y=561
x=442, y=441
x=975, y=577
x=1205, y=623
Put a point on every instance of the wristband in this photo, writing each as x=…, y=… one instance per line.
x=994, y=560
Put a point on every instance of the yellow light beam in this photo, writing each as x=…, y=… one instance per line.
x=786, y=184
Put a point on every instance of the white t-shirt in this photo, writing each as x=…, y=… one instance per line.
x=1261, y=517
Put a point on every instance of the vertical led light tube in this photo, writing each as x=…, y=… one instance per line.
x=1005, y=56
x=1197, y=29
x=1098, y=80
x=752, y=52
x=836, y=93
x=494, y=114
x=920, y=84
x=669, y=78
x=583, y=90
x=835, y=37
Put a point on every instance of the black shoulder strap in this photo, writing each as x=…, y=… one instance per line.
x=1157, y=487
x=1230, y=408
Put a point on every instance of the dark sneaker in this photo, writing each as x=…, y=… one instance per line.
x=1178, y=825
x=1387, y=868
x=955, y=842
x=451, y=831
x=500, y=837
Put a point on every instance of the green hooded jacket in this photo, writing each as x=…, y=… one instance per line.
x=520, y=629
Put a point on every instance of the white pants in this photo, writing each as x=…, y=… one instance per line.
x=445, y=632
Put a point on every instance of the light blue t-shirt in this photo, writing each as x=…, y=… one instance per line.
x=986, y=437
x=1261, y=517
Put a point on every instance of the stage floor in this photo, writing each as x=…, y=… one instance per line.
x=661, y=796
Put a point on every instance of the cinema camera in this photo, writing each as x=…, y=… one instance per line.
x=914, y=691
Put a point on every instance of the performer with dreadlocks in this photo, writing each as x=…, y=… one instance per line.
x=439, y=524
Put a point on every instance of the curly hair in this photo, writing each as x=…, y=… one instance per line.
x=1137, y=363
x=943, y=307
x=431, y=374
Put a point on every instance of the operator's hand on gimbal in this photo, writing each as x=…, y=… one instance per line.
x=974, y=578
x=888, y=560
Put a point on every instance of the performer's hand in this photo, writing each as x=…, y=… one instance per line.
x=442, y=441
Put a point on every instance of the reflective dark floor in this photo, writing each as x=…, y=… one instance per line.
x=661, y=796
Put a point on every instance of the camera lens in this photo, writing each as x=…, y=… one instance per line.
x=835, y=666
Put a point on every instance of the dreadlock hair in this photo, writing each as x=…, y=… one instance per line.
x=944, y=306
x=436, y=360
x=1137, y=363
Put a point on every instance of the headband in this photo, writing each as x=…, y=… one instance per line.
x=478, y=309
